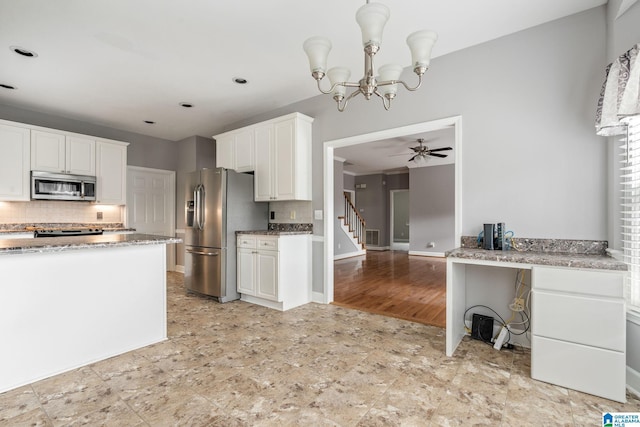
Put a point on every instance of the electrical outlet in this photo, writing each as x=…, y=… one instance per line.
x=431, y=244
x=99, y=215
x=292, y=215
x=518, y=304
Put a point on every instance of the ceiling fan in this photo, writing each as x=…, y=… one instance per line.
x=422, y=151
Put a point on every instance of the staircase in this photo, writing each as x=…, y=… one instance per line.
x=353, y=224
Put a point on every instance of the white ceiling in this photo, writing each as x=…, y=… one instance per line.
x=117, y=63
x=392, y=155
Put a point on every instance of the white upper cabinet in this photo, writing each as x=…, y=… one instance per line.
x=279, y=153
x=111, y=173
x=15, y=160
x=236, y=150
x=57, y=152
x=81, y=156
x=283, y=159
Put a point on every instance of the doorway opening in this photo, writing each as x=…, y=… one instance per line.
x=328, y=154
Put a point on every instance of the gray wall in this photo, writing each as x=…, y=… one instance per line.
x=374, y=202
x=370, y=203
x=349, y=181
x=432, y=208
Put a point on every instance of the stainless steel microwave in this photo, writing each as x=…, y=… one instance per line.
x=58, y=186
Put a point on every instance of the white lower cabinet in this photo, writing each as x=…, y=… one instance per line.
x=578, y=325
x=274, y=270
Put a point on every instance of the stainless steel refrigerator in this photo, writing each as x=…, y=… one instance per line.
x=219, y=202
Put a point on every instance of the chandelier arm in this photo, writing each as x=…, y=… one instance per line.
x=386, y=102
x=333, y=87
x=346, y=100
x=412, y=88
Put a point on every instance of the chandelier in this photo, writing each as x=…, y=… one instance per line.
x=371, y=17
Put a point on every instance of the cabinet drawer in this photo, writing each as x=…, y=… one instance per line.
x=579, y=319
x=268, y=243
x=591, y=370
x=591, y=282
x=246, y=241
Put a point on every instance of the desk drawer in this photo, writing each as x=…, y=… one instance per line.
x=591, y=282
x=597, y=322
x=591, y=370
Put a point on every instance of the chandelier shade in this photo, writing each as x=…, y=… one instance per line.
x=372, y=17
x=421, y=43
x=317, y=49
x=390, y=72
x=339, y=75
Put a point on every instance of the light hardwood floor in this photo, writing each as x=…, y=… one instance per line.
x=395, y=284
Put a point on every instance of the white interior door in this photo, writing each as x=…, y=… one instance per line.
x=150, y=204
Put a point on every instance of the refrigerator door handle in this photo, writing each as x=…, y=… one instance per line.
x=199, y=206
x=202, y=211
x=191, y=251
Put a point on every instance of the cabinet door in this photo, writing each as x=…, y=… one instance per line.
x=80, y=156
x=47, y=152
x=263, y=176
x=267, y=275
x=244, y=151
x=246, y=271
x=14, y=163
x=225, y=151
x=111, y=173
x=284, y=160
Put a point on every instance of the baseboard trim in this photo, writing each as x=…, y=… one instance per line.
x=378, y=248
x=180, y=268
x=432, y=254
x=317, y=297
x=349, y=255
x=633, y=381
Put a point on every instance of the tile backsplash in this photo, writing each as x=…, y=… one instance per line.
x=50, y=212
x=283, y=211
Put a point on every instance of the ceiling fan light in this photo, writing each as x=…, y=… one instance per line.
x=339, y=75
x=372, y=18
x=389, y=72
x=421, y=43
x=317, y=50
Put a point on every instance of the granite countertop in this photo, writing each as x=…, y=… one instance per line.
x=59, y=244
x=556, y=259
x=272, y=232
x=8, y=229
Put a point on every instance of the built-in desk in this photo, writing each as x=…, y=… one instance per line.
x=578, y=313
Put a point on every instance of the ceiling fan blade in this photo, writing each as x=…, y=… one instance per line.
x=441, y=149
x=412, y=158
x=438, y=155
x=417, y=149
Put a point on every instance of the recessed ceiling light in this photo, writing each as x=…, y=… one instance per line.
x=7, y=86
x=150, y=122
x=186, y=104
x=24, y=52
x=240, y=80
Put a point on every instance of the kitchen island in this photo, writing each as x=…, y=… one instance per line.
x=66, y=302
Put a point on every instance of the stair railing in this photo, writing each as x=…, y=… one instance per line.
x=353, y=220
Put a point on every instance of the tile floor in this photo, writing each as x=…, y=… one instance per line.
x=238, y=364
